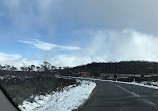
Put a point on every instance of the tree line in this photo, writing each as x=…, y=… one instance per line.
x=46, y=66
x=123, y=67
x=94, y=68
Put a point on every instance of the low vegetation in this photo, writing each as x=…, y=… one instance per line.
x=28, y=81
x=123, y=67
x=22, y=86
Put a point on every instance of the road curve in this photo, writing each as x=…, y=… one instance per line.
x=112, y=96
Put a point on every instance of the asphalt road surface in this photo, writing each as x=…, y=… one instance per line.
x=112, y=96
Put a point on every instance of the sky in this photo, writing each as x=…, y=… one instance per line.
x=77, y=32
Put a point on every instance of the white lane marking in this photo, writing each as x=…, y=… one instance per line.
x=149, y=102
x=134, y=94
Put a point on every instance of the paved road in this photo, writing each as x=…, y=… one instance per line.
x=112, y=96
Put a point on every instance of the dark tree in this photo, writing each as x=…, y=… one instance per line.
x=115, y=76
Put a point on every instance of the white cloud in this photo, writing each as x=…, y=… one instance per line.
x=48, y=46
x=133, y=45
x=113, y=46
x=108, y=14
x=49, y=16
x=105, y=46
x=16, y=60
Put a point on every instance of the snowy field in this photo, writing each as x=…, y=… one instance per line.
x=7, y=76
x=149, y=84
x=153, y=85
x=71, y=98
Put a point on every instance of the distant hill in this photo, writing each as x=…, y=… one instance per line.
x=123, y=67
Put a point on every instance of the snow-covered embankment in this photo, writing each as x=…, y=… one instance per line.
x=71, y=98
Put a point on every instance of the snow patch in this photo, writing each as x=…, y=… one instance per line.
x=153, y=85
x=71, y=98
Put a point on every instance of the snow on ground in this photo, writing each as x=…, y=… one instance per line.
x=7, y=76
x=153, y=85
x=71, y=98
x=149, y=84
x=1, y=77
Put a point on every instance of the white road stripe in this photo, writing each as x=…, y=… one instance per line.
x=134, y=94
x=149, y=102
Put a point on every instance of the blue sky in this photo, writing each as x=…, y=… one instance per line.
x=70, y=33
